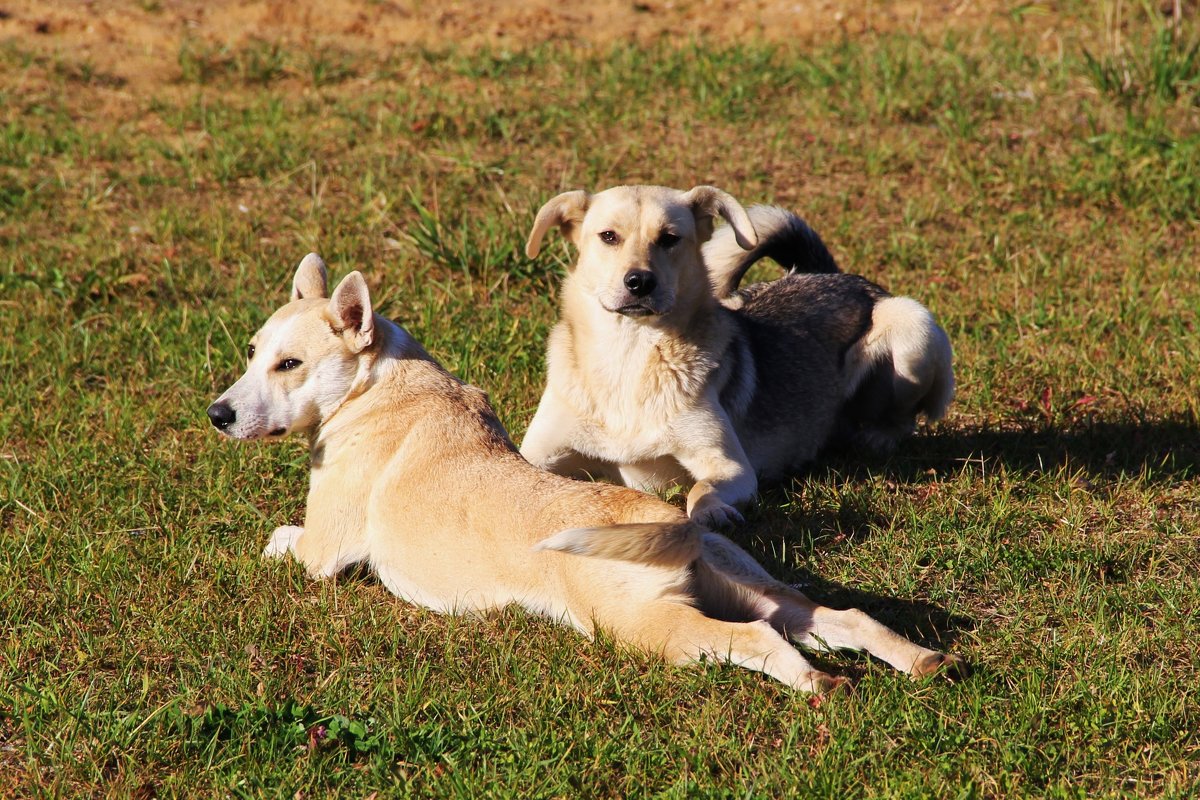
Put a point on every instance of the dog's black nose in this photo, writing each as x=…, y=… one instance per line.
x=640, y=282
x=222, y=415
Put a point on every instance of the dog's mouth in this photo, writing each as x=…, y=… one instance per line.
x=252, y=434
x=627, y=305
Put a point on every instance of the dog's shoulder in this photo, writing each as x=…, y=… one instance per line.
x=424, y=391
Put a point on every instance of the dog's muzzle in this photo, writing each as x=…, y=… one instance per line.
x=638, y=301
x=222, y=415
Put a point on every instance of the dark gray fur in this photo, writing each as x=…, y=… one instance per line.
x=796, y=332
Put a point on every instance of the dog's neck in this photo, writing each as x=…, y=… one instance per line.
x=392, y=347
x=392, y=350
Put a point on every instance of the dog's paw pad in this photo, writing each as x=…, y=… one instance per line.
x=282, y=541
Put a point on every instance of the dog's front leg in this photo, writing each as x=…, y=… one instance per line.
x=334, y=535
x=283, y=541
x=713, y=454
x=548, y=443
x=712, y=502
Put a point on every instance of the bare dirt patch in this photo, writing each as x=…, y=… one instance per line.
x=138, y=44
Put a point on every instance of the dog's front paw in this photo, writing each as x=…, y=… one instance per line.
x=714, y=513
x=283, y=541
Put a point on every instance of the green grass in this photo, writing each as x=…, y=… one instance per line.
x=1047, y=531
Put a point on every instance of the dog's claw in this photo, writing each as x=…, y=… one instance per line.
x=821, y=684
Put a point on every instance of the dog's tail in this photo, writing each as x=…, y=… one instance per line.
x=906, y=348
x=660, y=543
x=782, y=237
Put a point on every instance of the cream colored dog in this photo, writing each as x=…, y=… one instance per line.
x=660, y=373
x=413, y=474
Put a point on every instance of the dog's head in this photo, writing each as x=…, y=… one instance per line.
x=639, y=246
x=302, y=363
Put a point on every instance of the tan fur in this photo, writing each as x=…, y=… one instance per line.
x=413, y=474
x=628, y=397
x=662, y=395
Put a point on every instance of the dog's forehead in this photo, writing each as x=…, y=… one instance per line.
x=649, y=208
x=293, y=324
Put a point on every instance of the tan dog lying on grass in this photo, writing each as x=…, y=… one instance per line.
x=413, y=474
x=659, y=373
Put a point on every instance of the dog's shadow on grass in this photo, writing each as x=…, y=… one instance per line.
x=1098, y=453
x=920, y=621
x=771, y=532
x=1160, y=450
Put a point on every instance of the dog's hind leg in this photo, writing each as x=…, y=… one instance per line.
x=903, y=367
x=820, y=628
x=921, y=357
x=904, y=332
x=736, y=585
x=684, y=635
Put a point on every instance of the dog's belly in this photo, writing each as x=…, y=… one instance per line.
x=427, y=566
x=405, y=586
x=458, y=570
x=453, y=597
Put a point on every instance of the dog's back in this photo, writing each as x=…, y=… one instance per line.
x=815, y=329
x=801, y=331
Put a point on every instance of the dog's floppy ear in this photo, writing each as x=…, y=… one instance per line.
x=312, y=279
x=350, y=312
x=566, y=211
x=709, y=201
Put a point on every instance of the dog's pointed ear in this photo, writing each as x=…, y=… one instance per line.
x=708, y=202
x=566, y=211
x=350, y=312
x=312, y=279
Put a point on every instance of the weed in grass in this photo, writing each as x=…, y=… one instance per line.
x=327, y=67
x=198, y=62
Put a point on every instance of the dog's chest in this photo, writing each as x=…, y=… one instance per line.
x=627, y=401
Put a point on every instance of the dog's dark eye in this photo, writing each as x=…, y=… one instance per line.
x=667, y=240
x=249, y=352
x=609, y=237
x=288, y=363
